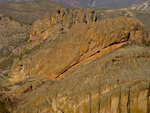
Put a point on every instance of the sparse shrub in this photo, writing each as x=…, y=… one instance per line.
x=6, y=63
x=2, y=108
x=20, y=57
x=28, y=52
x=30, y=41
x=10, y=18
x=5, y=53
x=67, y=9
x=38, y=47
x=145, y=43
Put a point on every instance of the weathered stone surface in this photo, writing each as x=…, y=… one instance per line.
x=59, y=21
x=115, y=82
x=62, y=51
x=97, y=67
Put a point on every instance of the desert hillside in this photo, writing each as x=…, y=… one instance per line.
x=28, y=12
x=143, y=16
x=132, y=4
x=75, y=61
x=145, y=6
x=104, y=3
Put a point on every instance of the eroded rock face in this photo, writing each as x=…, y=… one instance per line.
x=60, y=22
x=62, y=51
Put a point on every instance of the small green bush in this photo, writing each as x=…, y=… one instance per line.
x=145, y=43
x=30, y=41
x=6, y=63
x=2, y=108
x=38, y=47
x=20, y=57
x=10, y=18
x=67, y=9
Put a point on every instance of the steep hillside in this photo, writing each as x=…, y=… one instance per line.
x=135, y=4
x=13, y=35
x=145, y=6
x=28, y=12
x=100, y=3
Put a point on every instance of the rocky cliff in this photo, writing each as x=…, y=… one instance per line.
x=74, y=63
x=60, y=22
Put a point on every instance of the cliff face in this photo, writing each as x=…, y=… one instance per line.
x=75, y=66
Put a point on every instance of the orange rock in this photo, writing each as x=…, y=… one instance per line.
x=82, y=41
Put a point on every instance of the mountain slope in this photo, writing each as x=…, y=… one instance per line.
x=28, y=12
x=143, y=16
x=93, y=3
x=100, y=3
x=145, y=6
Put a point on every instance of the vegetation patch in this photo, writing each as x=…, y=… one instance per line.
x=67, y=9
x=4, y=53
x=20, y=42
x=10, y=18
x=30, y=41
x=2, y=108
x=28, y=52
x=145, y=43
x=7, y=63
